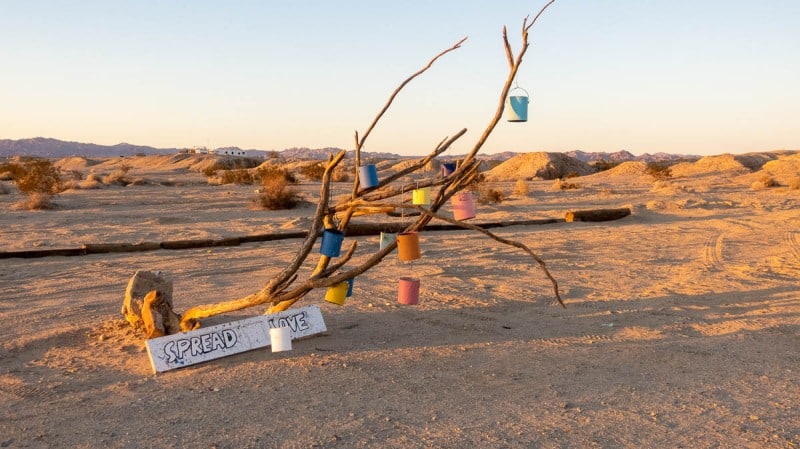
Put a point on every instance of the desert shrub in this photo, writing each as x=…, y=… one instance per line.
x=271, y=171
x=74, y=175
x=560, y=184
x=10, y=171
x=277, y=194
x=659, y=171
x=794, y=184
x=765, y=182
x=236, y=176
x=340, y=174
x=119, y=177
x=521, y=188
x=36, y=201
x=603, y=165
x=39, y=176
x=210, y=171
x=313, y=171
x=489, y=195
x=571, y=174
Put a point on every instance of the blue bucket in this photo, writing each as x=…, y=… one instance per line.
x=368, y=176
x=387, y=238
x=350, y=283
x=448, y=168
x=331, y=243
x=517, y=107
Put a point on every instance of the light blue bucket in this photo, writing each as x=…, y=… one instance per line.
x=517, y=107
x=387, y=238
x=368, y=176
x=331, y=245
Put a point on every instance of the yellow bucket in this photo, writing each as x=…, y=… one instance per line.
x=421, y=196
x=337, y=294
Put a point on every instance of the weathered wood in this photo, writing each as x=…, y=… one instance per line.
x=187, y=244
x=34, y=253
x=102, y=248
x=597, y=214
x=213, y=342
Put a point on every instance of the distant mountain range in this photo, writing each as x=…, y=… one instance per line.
x=54, y=148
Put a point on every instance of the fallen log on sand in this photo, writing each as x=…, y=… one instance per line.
x=597, y=214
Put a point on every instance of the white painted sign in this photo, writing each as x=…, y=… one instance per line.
x=201, y=345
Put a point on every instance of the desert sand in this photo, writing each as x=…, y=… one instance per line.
x=681, y=327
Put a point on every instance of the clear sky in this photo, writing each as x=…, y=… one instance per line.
x=679, y=76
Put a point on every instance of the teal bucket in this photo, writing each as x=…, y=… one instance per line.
x=387, y=238
x=331, y=245
x=368, y=176
x=517, y=107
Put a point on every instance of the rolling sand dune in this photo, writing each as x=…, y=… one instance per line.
x=682, y=324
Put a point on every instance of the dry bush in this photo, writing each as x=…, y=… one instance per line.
x=118, y=177
x=237, y=176
x=313, y=171
x=39, y=176
x=521, y=188
x=277, y=194
x=138, y=181
x=95, y=177
x=560, y=184
x=74, y=175
x=603, y=165
x=794, y=184
x=271, y=171
x=765, y=182
x=489, y=195
x=340, y=174
x=36, y=201
x=10, y=171
x=659, y=171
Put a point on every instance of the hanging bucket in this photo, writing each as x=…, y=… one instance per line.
x=368, y=176
x=408, y=291
x=463, y=206
x=408, y=246
x=280, y=339
x=517, y=107
x=337, y=294
x=331, y=245
x=421, y=196
x=350, y=283
x=387, y=238
x=448, y=168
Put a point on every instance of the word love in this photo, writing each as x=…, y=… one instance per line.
x=201, y=345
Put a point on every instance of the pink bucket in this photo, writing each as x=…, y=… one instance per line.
x=408, y=291
x=463, y=206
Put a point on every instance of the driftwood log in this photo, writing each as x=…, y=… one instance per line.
x=597, y=214
x=286, y=287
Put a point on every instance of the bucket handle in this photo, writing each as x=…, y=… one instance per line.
x=517, y=87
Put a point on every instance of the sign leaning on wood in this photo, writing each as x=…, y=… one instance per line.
x=201, y=345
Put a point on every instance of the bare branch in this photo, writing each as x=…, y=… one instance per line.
x=402, y=85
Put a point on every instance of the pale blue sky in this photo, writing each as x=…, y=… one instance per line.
x=680, y=76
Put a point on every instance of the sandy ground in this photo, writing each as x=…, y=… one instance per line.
x=681, y=330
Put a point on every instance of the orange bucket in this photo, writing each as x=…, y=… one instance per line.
x=408, y=246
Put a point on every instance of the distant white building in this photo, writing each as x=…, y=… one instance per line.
x=227, y=152
x=198, y=150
